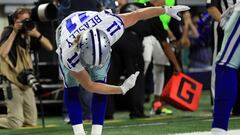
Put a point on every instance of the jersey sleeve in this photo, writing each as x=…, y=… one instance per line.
x=70, y=58
x=112, y=25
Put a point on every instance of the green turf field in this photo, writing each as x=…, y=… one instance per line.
x=179, y=122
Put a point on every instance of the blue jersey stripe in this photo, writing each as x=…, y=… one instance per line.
x=233, y=50
x=93, y=44
x=100, y=48
x=230, y=39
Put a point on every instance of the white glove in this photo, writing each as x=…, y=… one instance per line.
x=129, y=82
x=173, y=10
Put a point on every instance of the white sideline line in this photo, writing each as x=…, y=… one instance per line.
x=231, y=118
x=230, y=132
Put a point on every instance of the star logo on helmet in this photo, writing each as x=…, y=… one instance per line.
x=81, y=44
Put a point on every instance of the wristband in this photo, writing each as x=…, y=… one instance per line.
x=124, y=90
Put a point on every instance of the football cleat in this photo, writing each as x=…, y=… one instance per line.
x=158, y=108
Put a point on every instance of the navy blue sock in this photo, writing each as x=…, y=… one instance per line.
x=225, y=96
x=99, y=102
x=73, y=105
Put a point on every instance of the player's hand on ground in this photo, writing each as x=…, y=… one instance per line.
x=129, y=82
x=174, y=10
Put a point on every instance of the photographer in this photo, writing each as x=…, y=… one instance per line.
x=16, y=43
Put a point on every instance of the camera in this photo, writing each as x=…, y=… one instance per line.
x=28, y=25
x=44, y=12
x=40, y=13
x=27, y=77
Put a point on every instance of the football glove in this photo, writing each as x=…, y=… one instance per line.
x=129, y=82
x=173, y=10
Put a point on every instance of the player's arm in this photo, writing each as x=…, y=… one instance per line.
x=215, y=13
x=162, y=36
x=7, y=40
x=171, y=56
x=86, y=82
x=131, y=18
x=101, y=88
x=213, y=10
x=42, y=39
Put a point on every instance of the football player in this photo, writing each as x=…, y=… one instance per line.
x=227, y=65
x=84, y=42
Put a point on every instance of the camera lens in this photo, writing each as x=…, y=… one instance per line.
x=28, y=24
x=32, y=81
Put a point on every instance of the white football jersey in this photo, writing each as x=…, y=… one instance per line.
x=78, y=22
